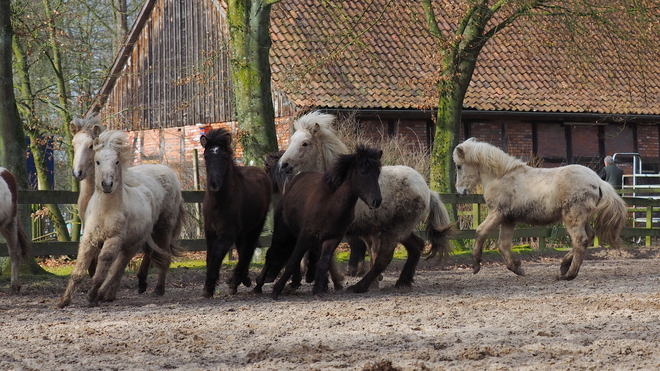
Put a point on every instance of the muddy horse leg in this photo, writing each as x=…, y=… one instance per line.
x=302, y=244
x=86, y=252
x=414, y=246
x=483, y=230
x=217, y=248
x=323, y=266
x=506, y=242
x=356, y=259
x=580, y=238
x=378, y=264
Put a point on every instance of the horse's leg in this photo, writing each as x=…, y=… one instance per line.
x=108, y=255
x=483, y=230
x=414, y=246
x=163, y=240
x=580, y=239
x=278, y=253
x=245, y=246
x=323, y=265
x=143, y=271
x=11, y=237
x=86, y=252
x=302, y=245
x=378, y=264
x=110, y=287
x=356, y=259
x=336, y=276
x=216, y=249
x=506, y=242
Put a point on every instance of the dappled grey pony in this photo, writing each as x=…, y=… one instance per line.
x=515, y=192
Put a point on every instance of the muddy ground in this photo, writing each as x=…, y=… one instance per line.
x=606, y=319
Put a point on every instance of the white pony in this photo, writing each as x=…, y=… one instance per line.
x=10, y=227
x=407, y=200
x=127, y=211
x=515, y=192
x=84, y=132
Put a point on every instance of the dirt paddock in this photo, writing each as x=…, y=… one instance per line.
x=606, y=319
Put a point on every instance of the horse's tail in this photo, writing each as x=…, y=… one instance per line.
x=175, y=248
x=612, y=215
x=438, y=228
x=23, y=241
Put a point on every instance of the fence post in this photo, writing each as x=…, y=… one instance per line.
x=198, y=209
x=649, y=223
x=476, y=215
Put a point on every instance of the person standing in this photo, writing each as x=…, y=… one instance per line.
x=612, y=173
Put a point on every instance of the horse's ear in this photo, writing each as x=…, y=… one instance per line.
x=315, y=129
x=460, y=153
x=73, y=128
x=380, y=154
x=96, y=142
x=97, y=129
x=202, y=141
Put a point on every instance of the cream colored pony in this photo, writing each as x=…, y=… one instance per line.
x=127, y=211
x=515, y=192
x=84, y=132
x=18, y=243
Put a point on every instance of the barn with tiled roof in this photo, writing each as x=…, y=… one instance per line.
x=531, y=93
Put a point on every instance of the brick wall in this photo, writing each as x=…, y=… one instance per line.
x=551, y=140
x=618, y=139
x=585, y=142
x=648, y=141
x=519, y=140
x=490, y=132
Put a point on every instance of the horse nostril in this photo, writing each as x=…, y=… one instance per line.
x=284, y=165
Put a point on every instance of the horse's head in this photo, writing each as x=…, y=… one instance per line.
x=363, y=169
x=314, y=145
x=111, y=155
x=467, y=174
x=84, y=132
x=218, y=157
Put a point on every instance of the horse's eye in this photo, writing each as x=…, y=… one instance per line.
x=91, y=146
x=305, y=144
x=117, y=162
x=458, y=167
x=98, y=163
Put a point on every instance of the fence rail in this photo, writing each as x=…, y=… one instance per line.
x=649, y=205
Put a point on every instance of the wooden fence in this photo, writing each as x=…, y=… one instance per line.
x=646, y=206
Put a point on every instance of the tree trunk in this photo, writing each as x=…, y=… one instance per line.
x=36, y=133
x=12, y=138
x=249, y=23
x=119, y=11
x=65, y=114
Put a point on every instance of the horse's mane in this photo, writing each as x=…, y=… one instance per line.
x=487, y=156
x=331, y=146
x=363, y=155
x=88, y=123
x=220, y=137
x=116, y=140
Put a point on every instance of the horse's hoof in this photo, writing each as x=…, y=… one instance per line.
x=339, y=287
x=63, y=303
x=207, y=294
x=357, y=289
x=566, y=278
x=257, y=290
x=247, y=282
x=159, y=291
x=275, y=295
x=476, y=268
x=400, y=284
x=142, y=289
x=380, y=277
x=93, y=304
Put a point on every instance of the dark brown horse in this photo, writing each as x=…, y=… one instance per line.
x=314, y=214
x=235, y=208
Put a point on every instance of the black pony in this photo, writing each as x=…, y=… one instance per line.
x=314, y=214
x=235, y=208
